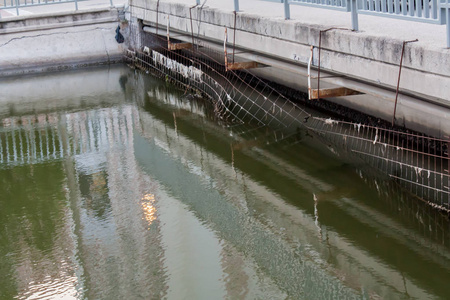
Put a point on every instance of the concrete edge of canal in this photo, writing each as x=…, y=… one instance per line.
x=357, y=60
x=58, y=41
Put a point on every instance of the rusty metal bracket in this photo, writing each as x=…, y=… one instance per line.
x=179, y=46
x=175, y=46
x=243, y=65
x=237, y=65
x=398, y=81
x=325, y=93
x=234, y=34
x=334, y=92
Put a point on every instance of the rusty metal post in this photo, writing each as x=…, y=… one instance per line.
x=318, y=67
x=309, y=72
x=225, y=49
x=398, y=81
x=168, y=33
x=234, y=34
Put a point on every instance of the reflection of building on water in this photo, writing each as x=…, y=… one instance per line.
x=107, y=237
x=117, y=235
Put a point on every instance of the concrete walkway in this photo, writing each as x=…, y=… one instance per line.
x=429, y=35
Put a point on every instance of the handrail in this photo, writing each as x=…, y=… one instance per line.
x=18, y=4
x=425, y=11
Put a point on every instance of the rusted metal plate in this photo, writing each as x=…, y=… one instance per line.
x=335, y=92
x=242, y=65
x=179, y=46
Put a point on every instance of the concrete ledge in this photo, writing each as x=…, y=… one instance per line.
x=59, y=18
x=60, y=41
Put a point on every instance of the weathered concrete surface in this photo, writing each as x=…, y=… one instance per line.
x=368, y=59
x=63, y=40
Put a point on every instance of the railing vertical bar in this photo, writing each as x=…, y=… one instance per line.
x=383, y=6
x=411, y=8
x=21, y=145
x=236, y=5
x=426, y=9
x=419, y=7
x=53, y=142
x=434, y=14
x=7, y=147
x=448, y=24
x=76, y=4
x=404, y=8
x=354, y=12
x=17, y=7
x=287, y=10
x=390, y=6
x=13, y=136
x=370, y=5
x=397, y=6
x=364, y=4
x=377, y=5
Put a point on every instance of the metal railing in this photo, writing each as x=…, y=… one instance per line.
x=425, y=11
x=19, y=4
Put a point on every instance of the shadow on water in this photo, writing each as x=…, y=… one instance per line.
x=142, y=192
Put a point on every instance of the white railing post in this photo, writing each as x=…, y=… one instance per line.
x=76, y=5
x=354, y=11
x=287, y=10
x=236, y=5
x=17, y=7
x=447, y=19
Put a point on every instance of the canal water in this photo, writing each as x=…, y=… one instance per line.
x=117, y=185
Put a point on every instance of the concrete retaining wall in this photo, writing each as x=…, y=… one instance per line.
x=58, y=41
x=366, y=62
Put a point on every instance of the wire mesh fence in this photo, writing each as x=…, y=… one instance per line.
x=417, y=162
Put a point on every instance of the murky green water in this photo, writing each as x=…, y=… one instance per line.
x=114, y=185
